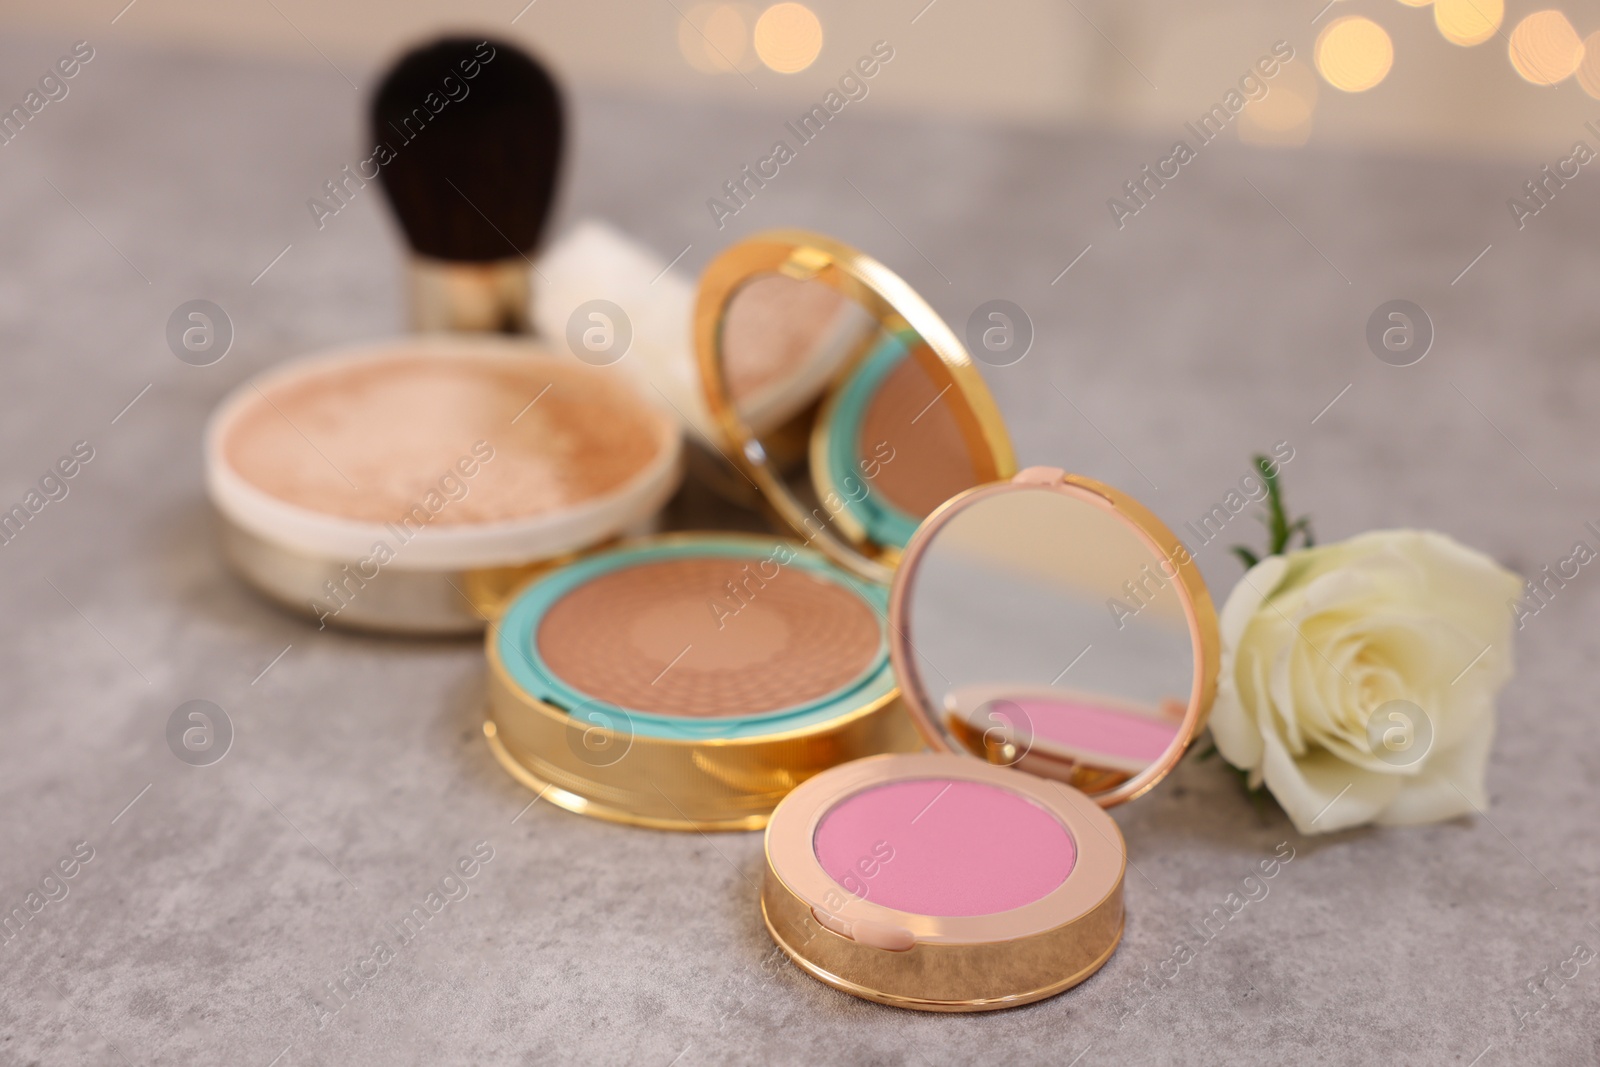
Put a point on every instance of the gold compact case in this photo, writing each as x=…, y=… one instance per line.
x=1057, y=649
x=409, y=485
x=691, y=680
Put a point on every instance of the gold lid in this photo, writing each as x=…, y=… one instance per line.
x=905, y=419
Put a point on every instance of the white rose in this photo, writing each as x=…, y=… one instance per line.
x=1316, y=641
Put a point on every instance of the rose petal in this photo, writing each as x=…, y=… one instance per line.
x=1245, y=600
x=1234, y=729
x=1321, y=792
x=1235, y=733
x=1451, y=783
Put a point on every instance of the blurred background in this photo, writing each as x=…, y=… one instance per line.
x=1423, y=152
x=1458, y=75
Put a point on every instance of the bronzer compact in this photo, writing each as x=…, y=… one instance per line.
x=1057, y=649
x=690, y=681
x=407, y=485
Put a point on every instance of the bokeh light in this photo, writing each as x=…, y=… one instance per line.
x=1468, y=22
x=1416, y=3
x=788, y=37
x=1284, y=115
x=1545, y=49
x=1353, y=53
x=1589, y=67
x=715, y=38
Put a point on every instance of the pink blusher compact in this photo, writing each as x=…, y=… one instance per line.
x=946, y=847
x=987, y=874
x=977, y=914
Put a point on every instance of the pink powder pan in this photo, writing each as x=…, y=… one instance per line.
x=944, y=846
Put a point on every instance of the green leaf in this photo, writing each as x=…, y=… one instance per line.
x=1278, y=521
x=1281, y=530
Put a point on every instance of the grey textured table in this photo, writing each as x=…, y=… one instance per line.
x=1222, y=319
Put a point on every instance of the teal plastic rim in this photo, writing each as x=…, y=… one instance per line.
x=884, y=523
x=519, y=652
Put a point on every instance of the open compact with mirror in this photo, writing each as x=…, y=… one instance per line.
x=691, y=680
x=1057, y=649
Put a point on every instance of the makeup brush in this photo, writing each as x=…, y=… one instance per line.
x=469, y=142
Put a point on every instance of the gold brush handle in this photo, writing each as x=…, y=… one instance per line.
x=459, y=297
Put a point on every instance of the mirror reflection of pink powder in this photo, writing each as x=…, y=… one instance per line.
x=1123, y=735
x=944, y=847
x=1093, y=729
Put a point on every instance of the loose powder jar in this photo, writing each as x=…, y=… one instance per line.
x=1057, y=649
x=690, y=681
x=405, y=485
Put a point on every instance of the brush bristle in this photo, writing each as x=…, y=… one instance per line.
x=475, y=159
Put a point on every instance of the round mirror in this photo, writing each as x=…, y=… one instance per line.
x=810, y=350
x=783, y=341
x=1055, y=625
